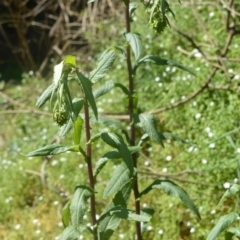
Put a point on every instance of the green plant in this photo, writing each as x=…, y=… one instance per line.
x=124, y=146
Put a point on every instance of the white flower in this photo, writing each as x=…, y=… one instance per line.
x=198, y=115
x=226, y=185
x=160, y=232
x=212, y=145
x=169, y=158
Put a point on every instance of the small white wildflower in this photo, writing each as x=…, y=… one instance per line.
x=235, y=180
x=211, y=14
x=212, y=145
x=213, y=211
x=160, y=232
x=54, y=162
x=226, y=185
x=164, y=170
x=121, y=235
x=208, y=129
x=204, y=161
x=169, y=158
x=192, y=230
x=198, y=115
x=17, y=226
x=38, y=231
x=55, y=203
x=146, y=163
x=238, y=150
x=144, y=205
x=149, y=228
x=212, y=104
x=210, y=134
x=157, y=79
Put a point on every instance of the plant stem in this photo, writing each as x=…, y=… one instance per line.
x=89, y=165
x=132, y=129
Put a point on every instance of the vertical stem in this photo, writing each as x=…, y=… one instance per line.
x=89, y=165
x=132, y=129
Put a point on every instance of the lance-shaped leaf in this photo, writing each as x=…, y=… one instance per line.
x=109, y=156
x=70, y=233
x=234, y=232
x=78, y=205
x=49, y=150
x=161, y=61
x=46, y=95
x=78, y=123
x=147, y=123
x=173, y=190
x=105, y=62
x=87, y=88
x=129, y=215
x=103, y=160
x=119, y=178
x=132, y=7
x=107, y=87
x=234, y=190
x=66, y=213
x=116, y=141
x=222, y=224
x=107, y=223
x=113, y=123
x=135, y=43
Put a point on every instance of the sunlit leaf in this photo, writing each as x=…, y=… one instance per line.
x=234, y=190
x=78, y=124
x=119, y=178
x=116, y=141
x=147, y=123
x=78, y=205
x=135, y=43
x=87, y=88
x=66, y=213
x=173, y=190
x=70, y=233
x=46, y=95
x=105, y=62
x=162, y=61
x=107, y=223
x=49, y=150
x=222, y=224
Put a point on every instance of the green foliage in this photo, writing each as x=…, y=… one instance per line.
x=207, y=121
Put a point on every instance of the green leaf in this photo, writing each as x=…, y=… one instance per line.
x=234, y=190
x=149, y=212
x=107, y=87
x=132, y=7
x=107, y=224
x=147, y=123
x=116, y=141
x=69, y=62
x=78, y=204
x=103, y=160
x=119, y=178
x=162, y=61
x=112, y=155
x=49, y=150
x=113, y=123
x=235, y=232
x=66, y=213
x=46, y=95
x=135, y=43
x=222, y=224
x=105, y=62
x=124, y=213
x=87, y=88
x=167, y=135
x=78, y=123
x=173, y=190
x=70, y=233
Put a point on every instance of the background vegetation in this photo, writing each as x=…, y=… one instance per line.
x=203, y=111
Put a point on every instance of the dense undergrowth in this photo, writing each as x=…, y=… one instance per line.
x=203, y=158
